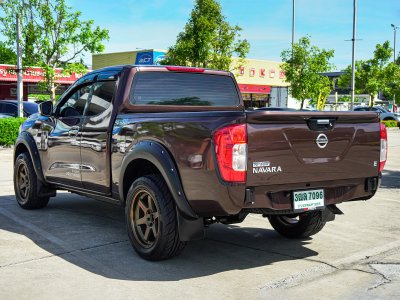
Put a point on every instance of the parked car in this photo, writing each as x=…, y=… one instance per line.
x=4, y=116
x=384, y=114
x=176, y=149
x=10, y=108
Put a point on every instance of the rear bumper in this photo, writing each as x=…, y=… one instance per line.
x=279, y=197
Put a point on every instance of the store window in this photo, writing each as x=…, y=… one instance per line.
x=255, y=100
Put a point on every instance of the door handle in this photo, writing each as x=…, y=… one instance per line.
x=73, y=131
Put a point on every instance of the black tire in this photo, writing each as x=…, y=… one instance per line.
x=301, y=226
x=151, y=219
x=26, y=184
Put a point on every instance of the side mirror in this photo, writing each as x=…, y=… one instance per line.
x=46, y=108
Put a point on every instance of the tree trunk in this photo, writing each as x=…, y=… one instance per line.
x=53, y=92
x=371, y=100
x=302, y=104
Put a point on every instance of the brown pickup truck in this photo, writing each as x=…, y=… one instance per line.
x=175, y=147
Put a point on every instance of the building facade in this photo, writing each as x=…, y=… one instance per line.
x=31, y=78
x=261, y=82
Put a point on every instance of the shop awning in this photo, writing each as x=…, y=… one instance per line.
x=254, y=88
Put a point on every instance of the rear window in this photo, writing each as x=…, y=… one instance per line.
x=168, y=88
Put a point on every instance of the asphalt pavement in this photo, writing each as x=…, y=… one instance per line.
x=77, y=248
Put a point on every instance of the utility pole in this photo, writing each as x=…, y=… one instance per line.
x=20, y=89
x=353, y=54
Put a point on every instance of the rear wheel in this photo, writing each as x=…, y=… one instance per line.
x=26, y=184
x=297, y=226
x=151, y=219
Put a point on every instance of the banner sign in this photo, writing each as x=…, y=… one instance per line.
x=34, y=74
x=158, y=57
x=144, y=58
x=254, y=88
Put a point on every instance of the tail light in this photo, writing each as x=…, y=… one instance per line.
x=384, y=146
x=231, y=150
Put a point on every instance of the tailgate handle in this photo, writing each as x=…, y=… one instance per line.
x=321, y=124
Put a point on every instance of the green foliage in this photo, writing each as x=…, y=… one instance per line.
x=302, y=69
x=378, y=74
x=390, y=123
x=52, y=36
x=42, y=97
x=7, y=56
x=208, y=40
x=9, y=130
x=344, y=98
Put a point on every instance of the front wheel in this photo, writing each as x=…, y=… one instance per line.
x=151, y=219
x=26, y=184
x=297, y=226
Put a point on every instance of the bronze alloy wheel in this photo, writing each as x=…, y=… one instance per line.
x=26, y=184
x=151, y=219
x=23, y=182
x=145, y=218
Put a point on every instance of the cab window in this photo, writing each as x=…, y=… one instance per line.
x=75, y=105
x=101, y=98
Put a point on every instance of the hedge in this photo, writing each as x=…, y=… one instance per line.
x=9, y=130
x=390, y=123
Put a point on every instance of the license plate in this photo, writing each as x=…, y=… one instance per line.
x=308, y=200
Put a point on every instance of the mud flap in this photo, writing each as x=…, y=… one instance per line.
x=190, y=230
x=327, y=215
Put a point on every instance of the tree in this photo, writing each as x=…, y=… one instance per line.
x=53, y=36
x=7, y=56
x=378, y=74
x=208, y=40
x=303, y=67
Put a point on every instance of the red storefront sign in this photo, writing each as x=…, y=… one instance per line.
x=252, y=72
x=34, y=74
x=272, y=73
x=254, y=88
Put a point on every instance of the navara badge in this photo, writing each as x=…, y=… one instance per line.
x=322, y=140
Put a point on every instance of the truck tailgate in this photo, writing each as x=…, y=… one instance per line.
x=304, y=147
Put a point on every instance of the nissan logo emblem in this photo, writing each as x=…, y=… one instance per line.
x=322, y=141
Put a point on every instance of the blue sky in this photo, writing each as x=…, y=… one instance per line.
x=266, y=24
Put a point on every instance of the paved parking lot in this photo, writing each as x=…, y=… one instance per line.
x=78, y=248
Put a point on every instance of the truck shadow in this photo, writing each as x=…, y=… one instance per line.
x=390, y=179
x=92, y=236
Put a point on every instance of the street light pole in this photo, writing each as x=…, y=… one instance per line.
x=353, y=54
x=394, y=42
x=394, y=56
x=293, y=24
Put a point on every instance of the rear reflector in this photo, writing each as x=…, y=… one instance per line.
x=384, y=147
x=230, y=144
x=185, y=69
